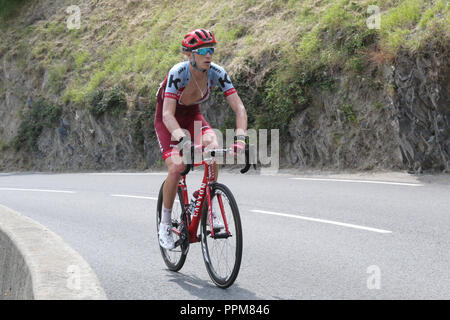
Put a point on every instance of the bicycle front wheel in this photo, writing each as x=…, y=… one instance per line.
x=222, y=252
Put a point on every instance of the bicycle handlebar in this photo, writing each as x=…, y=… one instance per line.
x=247, y=158
x=216, y=152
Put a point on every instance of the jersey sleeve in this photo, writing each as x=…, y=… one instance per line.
x=222, y=80
x=175, y=82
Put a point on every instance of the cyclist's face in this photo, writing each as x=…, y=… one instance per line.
x=203, y=61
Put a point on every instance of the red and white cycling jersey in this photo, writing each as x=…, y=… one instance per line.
x=178, y=78
x=172, y=87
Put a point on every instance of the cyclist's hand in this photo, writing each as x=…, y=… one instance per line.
x=237, y=148
x=211, y=146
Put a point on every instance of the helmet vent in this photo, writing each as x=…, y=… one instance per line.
x=204, y=32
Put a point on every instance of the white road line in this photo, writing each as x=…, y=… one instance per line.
x=36, y=190
x=136, y=197
x=131, y=196
x=323, y=221
x=129, y=174
x=361, y=181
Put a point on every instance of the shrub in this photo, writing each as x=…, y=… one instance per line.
x=41, y=115
x=283, y=100
x=113, y=101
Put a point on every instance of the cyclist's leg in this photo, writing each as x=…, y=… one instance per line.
x=174, y=165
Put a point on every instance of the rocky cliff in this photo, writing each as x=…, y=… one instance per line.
x=405, y=124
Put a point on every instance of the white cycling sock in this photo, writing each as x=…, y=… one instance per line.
x=166, y=215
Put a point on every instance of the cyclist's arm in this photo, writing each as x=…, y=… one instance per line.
x=241, y=114
x=169, y=119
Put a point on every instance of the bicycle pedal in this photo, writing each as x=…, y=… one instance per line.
x=221, y=235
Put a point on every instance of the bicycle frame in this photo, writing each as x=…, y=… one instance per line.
x=204, y=194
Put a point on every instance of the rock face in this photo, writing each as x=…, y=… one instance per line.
x=78, y=140
x=351, y=127
x=423, y=109
x=403, y=124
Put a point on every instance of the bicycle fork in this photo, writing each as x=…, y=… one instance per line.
x=219, y=235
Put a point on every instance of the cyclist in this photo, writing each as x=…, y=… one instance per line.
x=186, y=85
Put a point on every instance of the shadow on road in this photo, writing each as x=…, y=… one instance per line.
x=206, y=290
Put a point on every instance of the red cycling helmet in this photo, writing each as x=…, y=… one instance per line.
x=197, y=38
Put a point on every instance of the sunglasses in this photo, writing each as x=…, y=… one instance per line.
x=204, y=51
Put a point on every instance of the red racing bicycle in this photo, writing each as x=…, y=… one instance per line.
x=220, y=237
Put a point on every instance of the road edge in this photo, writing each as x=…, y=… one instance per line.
x=42, y=262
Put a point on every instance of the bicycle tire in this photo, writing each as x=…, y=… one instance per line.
x=174, y=258
x=222, y=278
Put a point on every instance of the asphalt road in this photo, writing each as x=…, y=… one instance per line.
x=305, y=236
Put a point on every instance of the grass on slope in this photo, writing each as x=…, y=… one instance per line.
x=283, y=46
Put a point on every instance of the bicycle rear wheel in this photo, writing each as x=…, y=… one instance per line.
x=174, y=258
x=222, y=252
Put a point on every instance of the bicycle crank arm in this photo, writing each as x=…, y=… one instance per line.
x=178, y=243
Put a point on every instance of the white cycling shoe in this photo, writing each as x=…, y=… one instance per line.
x=165, y=236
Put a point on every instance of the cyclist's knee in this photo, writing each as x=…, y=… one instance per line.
x=175, y=171
x=175, y=166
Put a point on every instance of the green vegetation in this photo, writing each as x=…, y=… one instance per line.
x=41, y=115
x=80, y=58
x=287, y=49
x=10, y=8
x=399, y=24
x=55, y=28
x=113, y=101
x=349, y=114
x=57, y=72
